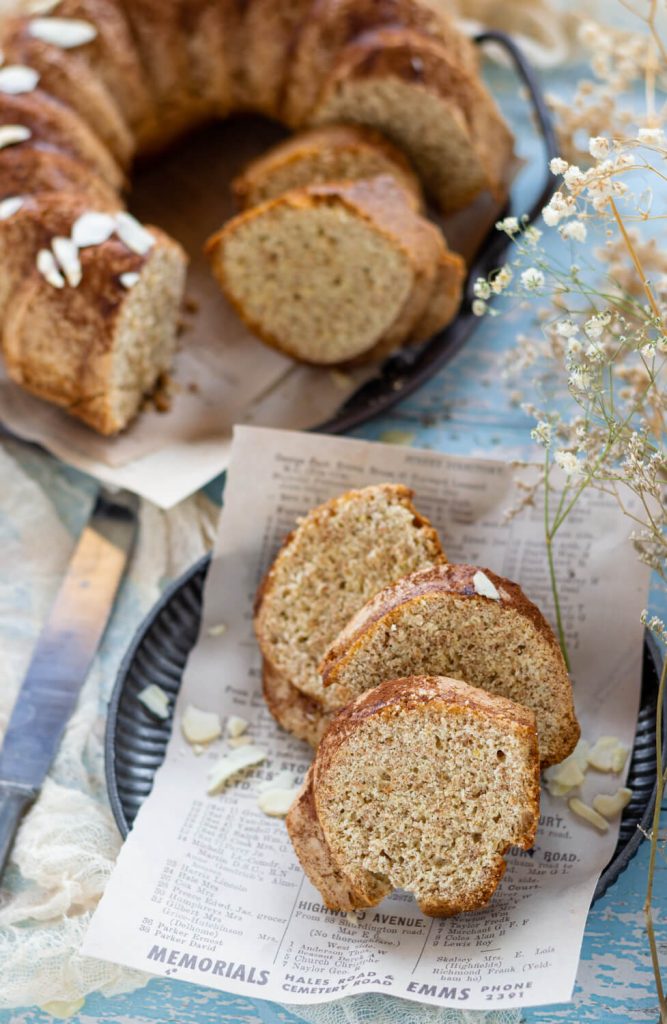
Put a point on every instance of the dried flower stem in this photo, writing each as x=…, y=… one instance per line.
x=636, y=261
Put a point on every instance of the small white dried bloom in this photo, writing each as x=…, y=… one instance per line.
x=510, y=225
x=481, y=288
x=574, y=230
x=598, y=147
x=574, y=178
x=501, y=280
x=574, y=347
x=479, y=307
x=651, y=136
x=542, y=434
x=593, y=328
x=532, y=279
x=566, y=328
x=580, y=379
x=568, y=462
x=532, y=235
x=558, y=166
x=558, y=207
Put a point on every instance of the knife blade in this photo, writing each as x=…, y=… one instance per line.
x=63, y=656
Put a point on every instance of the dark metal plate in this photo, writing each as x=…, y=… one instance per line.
x=136, y=741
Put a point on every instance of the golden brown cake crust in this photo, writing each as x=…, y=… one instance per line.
x=296, y=712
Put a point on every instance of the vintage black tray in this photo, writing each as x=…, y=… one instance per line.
x=136, y=741
x=408, y=369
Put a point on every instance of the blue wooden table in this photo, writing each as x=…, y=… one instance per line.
x=465, y=410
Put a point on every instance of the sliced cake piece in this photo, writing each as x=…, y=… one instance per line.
x=33, y=171
x=422, y=784
x=333, y=24
x=332, y=153
x=36, y=119
x=415, y=91
x=299, y=714
x=116, y=305
x=66, y=75
x=338, y=556
x=445, y=297
x=465, y=622
x=327, y=273
x=112, y=54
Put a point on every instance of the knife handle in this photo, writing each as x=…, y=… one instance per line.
x=13, y=803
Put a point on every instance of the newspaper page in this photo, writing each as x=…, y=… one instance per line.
x=208, y=889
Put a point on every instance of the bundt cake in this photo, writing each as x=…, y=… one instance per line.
x=333, y=272
x=422, y=784
x=339, y=555
x=86, y=86
x=465, y=622
x=336, y=152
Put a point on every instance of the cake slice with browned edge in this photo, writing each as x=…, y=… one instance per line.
x=298, y=714
x=328, y=273
x=414, y=90
x=336, y=152
x=421, y=784
x=339, y=555
x=115, y=302
x=465, y=622
x=333, y=24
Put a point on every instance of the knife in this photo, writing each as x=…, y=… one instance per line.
x=63, y=656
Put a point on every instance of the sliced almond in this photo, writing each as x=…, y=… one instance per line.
x=48, y=268
x=67, y=255
x=12, y=134
x=17, y=78
x=129, y=279
x=63, y=32
x=276, y=802
x=232, y=765
x=200, y=726
x=562, y=778
x=92, y=229
x=218, y=630
x=610, y=806
x=133, y=234
x=590, y=815
x=608, y=755
x=236, y=726
x=10, y=206
x=484, y=587
x=155, y=699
